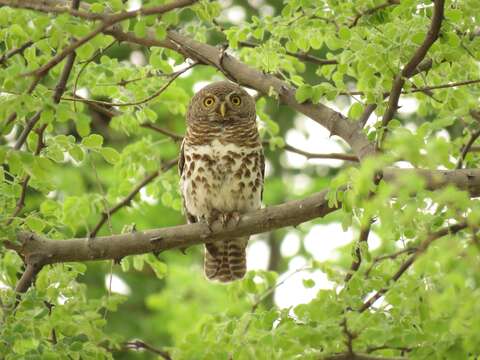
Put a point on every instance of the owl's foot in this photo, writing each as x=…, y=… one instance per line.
x=230, y=216
x=211, y=218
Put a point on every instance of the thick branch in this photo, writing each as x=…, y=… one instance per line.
x=264, y=83
x=411, y=67
x=28, y=277
x=464, y=179
x=274, y=217
x=118, y=246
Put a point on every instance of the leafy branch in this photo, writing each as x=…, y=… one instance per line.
x=450, y=230
x=131, y=195
x=410, y=68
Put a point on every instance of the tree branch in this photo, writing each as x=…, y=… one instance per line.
x=128, y=199
x=357, y=261
x=453, y=229
x=309, y=155
x=244, y=75
x=139, y=344
x=410, y=68
x=290, y=148
x=166, y=132
x=467, y=148
x=117, y=246
x=50, y=6
x=392, y=256
x=28, y=277
x=107, y=21
x=288, y=214
x=356, y=356
x=172, y=76
x=301, y=56
x=373, y=10
x=15, y=51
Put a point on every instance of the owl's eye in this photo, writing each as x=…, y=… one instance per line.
x=236, y=100
x=208, y=101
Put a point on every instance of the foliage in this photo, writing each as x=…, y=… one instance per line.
x=84, y=157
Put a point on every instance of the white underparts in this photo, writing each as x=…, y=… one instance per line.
x=221, y=177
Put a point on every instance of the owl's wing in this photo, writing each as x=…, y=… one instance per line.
x=181, y=165
x=262, y=169
x=181, y=160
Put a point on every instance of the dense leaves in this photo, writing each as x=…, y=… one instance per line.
x=92, y=163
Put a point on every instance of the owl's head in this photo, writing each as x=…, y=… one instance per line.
x=221, y=102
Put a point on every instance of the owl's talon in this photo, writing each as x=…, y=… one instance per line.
x=225, y=217
x=235, y=215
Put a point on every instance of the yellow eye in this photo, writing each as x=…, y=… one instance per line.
x=236, y=100
x=209, y=101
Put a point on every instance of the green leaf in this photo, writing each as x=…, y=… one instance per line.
x=303, y=93
x=140, y=29
x=308, y=283
x=76, y=153
x=355, y=111
x=35, y=224
x=160, y=32
x=93, y=141
x=97, y=8
x=345, y=33
x=110, y=155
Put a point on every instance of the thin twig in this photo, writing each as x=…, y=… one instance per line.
x=388, y=347
x=173, y=76
x=392, y=256
x=85, y=64
x=421, y=89
x=128, y=199
x=290, y=148
x=301, y=56
x=170, y=134
x=108, y=21
x=50, y=306
x=309, y=155
x=26, y=130
x=21, y=200
x=450, y=230
x=467, y=148
x=372, y=11
x=141, y=345
x=357, y=260
x=410, y=68
x=349, y=337
x=15, y=51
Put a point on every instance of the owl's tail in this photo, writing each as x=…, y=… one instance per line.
x=226, y=260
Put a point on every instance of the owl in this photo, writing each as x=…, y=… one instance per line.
x=221, y=168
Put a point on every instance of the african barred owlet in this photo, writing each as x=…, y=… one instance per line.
x=222, y=167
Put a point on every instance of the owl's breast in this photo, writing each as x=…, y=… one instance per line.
x=224, y=177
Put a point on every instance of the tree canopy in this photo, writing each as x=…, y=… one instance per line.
x=368, y=245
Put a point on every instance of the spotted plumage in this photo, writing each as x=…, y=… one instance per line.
x=222, y=168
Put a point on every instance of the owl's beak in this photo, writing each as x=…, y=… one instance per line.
x=222, y=109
